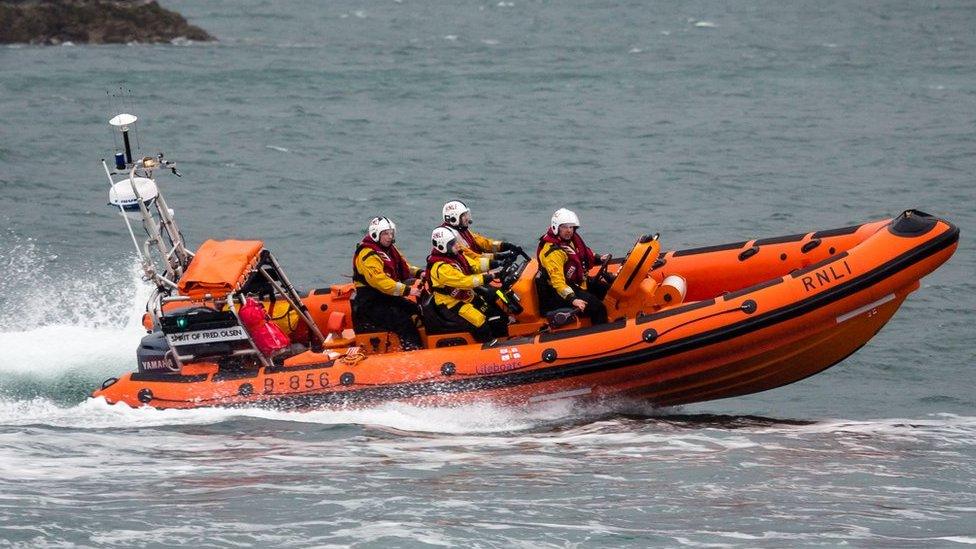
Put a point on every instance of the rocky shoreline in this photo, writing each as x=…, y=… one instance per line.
x=93, y=22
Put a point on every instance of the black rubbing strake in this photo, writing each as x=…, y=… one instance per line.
x=754, y=288
x=779, y=239
x=837, y=232
x=641, y=319
x=709, y=249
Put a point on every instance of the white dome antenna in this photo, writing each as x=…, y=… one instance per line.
x=122, y=122
x=123, y=195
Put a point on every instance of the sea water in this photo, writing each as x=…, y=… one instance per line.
x=707, y=122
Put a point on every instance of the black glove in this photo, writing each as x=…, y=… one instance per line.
x=490, y=277
x=514, y=248
x=503, y=255
x=495, y=263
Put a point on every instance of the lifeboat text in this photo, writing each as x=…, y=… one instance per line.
x=825, y=276
x=496, y=368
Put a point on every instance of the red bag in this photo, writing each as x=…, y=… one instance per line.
x=267, y=336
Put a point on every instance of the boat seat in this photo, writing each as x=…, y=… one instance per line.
x=556, y=318
x=436, y=322
x=561, y=317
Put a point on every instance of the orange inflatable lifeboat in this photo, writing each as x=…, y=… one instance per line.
x=686, y=326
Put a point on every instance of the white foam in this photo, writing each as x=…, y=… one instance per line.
x=705, y=25
x=48, y=351
x=276, y=148
x=960, y=539
x=98, y=414
x=89, y=319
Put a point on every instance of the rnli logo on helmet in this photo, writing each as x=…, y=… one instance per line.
x=453, y=207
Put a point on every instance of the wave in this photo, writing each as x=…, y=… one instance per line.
x=482, y=423
x=63, y=333
x=392, y=417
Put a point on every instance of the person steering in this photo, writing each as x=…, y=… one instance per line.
x=452, y=279
x=457, y=216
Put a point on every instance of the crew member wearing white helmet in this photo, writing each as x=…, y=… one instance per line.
x=457, y=216
x=452, y=280
x=383, y=280
x=564, y=260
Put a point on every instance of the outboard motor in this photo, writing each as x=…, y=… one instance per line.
x=153, y=354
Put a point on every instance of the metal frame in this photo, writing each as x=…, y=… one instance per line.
x=164, y=257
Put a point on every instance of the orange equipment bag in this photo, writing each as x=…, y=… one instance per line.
x=219, y=267
x=267, y=336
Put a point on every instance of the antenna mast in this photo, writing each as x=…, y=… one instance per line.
x=163, y=254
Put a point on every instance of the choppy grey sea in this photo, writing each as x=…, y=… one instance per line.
x=708, y=122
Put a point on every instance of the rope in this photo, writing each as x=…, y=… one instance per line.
x=353, y=359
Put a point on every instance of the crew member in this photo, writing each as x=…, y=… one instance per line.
x=457, y=216
x=564, y=260
x=383, y=280
x=452, y=280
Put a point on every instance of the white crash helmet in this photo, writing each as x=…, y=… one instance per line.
x=563, y=217
x=453, y=211
x=443, y=239
x=378, y=225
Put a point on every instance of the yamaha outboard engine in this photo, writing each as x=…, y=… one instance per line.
x=153, y=354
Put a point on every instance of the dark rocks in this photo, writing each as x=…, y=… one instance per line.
x=93, y=22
